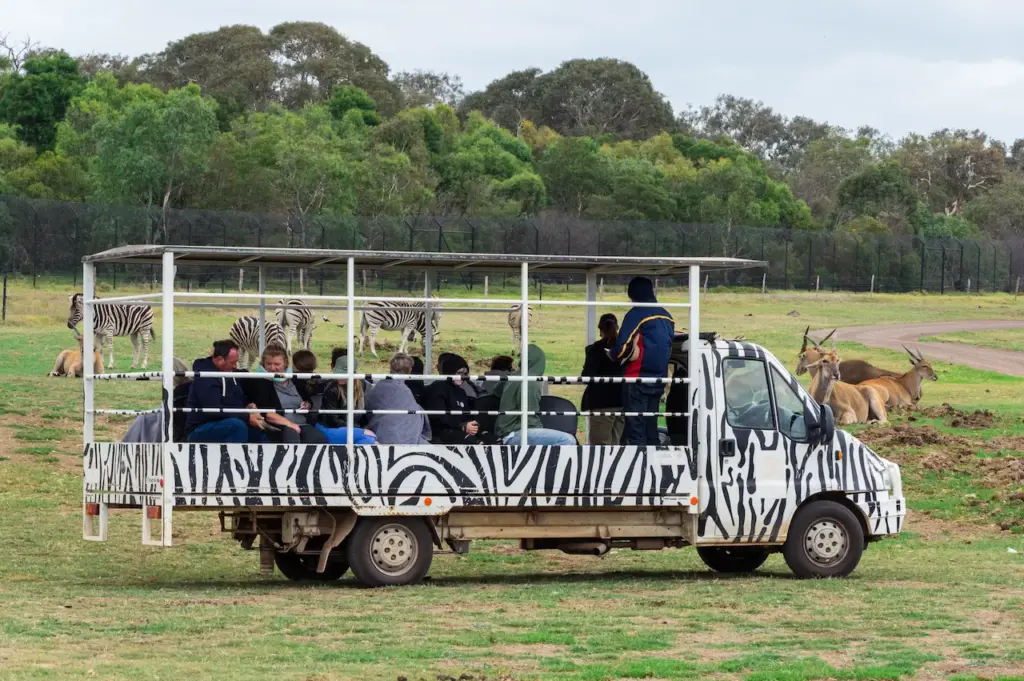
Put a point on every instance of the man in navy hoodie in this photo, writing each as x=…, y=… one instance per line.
x=208, y=392
x=643, y=346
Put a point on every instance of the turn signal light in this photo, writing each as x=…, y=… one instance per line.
x=153, y=512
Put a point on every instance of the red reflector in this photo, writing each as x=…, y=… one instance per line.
x=161, y=482
x=92, y=509
x=152, y=512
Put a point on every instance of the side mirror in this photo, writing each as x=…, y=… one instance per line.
x=822, y=429
x=828, y=424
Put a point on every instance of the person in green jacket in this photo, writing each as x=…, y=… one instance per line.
x=507, y=427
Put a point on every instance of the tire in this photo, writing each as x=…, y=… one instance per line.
x=390, y=551
x=302, y=568
x=825, y=540
x=733, y=559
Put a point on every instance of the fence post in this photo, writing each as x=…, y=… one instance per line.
x=1015, y=293
x=785, y=274
x=810, y=258
x=968, y=286
x=977, y=244
x=924, y=262
x=705, y=288
x=817, y=285
x=487, y=285
x=872, y=284
x=942, y=283
x=5, y=298
x=764, y=283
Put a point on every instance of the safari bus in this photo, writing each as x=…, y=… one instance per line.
x=762, y=468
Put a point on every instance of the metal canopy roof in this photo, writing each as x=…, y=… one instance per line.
x=301, y=257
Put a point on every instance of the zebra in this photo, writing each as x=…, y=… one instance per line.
x=410, y=319
x=134, y=320
x=515, y=322
x=297, y=319
x=246, y=334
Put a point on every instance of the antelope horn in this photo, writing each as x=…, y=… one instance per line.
x=920, y=357
x=803, y=348
x=813, y=342
x=832, y=336
x=911, y=353
x=829, y=336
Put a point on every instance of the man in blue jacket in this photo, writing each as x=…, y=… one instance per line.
x=643, y=346
x=208, y=392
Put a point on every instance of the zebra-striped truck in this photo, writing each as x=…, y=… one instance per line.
x=758, y=466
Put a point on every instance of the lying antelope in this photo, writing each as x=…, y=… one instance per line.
x=69, y=362
x=904, y=390
x=850, y=403
x=854, y=371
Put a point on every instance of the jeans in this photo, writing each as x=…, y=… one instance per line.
x=642, y=430
x=541, y=436
x=227, y=430
x=339, y=436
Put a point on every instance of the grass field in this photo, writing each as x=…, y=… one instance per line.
x=944, y=600
x=1005, y=339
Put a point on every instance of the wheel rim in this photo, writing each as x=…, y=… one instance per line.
x=393, y=549
x=826, y=542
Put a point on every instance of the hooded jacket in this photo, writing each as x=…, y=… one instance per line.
x=446, y=396
x=396, y=429
x=601, y=396
x=645, y=338
x=512, y=394
x=211, y=393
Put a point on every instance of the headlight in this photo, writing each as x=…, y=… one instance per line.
x=887, y=479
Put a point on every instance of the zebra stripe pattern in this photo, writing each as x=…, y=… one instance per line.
x=245, y=332
x=297, y=319
x=135, y=321
x=409, y=318
x=515, y=322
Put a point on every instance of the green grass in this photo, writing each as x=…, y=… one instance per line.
x=943, y=599
x=1005, y=339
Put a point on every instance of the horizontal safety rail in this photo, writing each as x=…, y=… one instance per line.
x=510, y=378
x=427, y=302
x=424, y=412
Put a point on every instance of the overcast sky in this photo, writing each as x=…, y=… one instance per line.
x=898, y=65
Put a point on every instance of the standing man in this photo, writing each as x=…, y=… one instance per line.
x=643, y=346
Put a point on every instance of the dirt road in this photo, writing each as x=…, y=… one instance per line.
x=893, y=336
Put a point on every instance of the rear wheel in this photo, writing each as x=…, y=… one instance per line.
x=732, y=559
x=390, y=551
x=825, y=540
x=301, y=568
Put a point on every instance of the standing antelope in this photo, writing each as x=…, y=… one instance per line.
x=515, y=322
x=854, y=371
x=850, y=403
x=904, y=390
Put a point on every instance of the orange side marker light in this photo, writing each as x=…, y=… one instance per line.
x=693, y=501
x=839, y=454
x=427, y=501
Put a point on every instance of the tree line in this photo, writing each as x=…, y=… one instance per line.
x=302, y=121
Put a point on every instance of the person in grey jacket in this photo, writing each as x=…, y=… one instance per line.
x=397, y=429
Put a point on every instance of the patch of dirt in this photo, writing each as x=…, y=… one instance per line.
x=906, y=435
x=957, y=418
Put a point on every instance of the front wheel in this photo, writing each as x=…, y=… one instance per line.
x=732, y=559
x=825, y=540
x=390, y=551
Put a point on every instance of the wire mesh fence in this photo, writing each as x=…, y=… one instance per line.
x=50, y=238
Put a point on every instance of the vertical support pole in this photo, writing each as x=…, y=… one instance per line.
x=1016, y=291
x=263, y=308
x=428, y=318
x=88, y=383
x=350, y=288
x=817, y=285
x=591, y=324
x=167, y=359
x=524, y=342
x=693, y=404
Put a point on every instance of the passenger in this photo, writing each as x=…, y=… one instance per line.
x=305, y=362
x=643, y=346
x=451, y=429
x=281, y=394
x=149, y=427
x=499, y=386
x=677, y=426
x=221, y=393
x=397, y=429
x=471, y=389
x=604, y=430
x=335, y=397
x=502, y=365
x=507, y=425
x=417, y=388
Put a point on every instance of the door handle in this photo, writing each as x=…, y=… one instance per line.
x=726, y=448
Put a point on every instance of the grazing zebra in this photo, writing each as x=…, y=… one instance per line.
x=411, y=319
x=132, y=320
x=297, y=319
x=515, y=322
x=246, y=334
